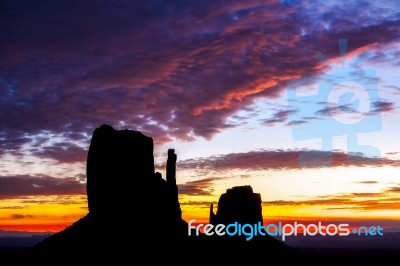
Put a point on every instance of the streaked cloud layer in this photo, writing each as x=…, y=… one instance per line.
x=281, y=160
x=19, y=186
x=172, y=70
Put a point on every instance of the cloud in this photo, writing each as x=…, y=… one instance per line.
x=198, y=187
x=337, y=110
x=63, y=152
x=333, y=201
x=383, y=106
x=367, y=182
x=280, y=159
x=12, y=207
x=65, y=147
x=296, y=122
x=172, y=70
x=352, y=201
x=199, y=204
x=280, y=117
x=19, y=216
x=26, y=185
x=394, y=189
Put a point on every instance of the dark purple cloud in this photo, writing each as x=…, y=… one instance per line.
x=170, y=69
x=63, y=152
x=383, y=106
x=197, y=187
x=280, y=159
x=279, y=117
x=26, y=185
x=331, y=111
x=377, y=107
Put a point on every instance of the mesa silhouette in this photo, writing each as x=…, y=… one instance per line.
x=238, y=204
x=133, y=210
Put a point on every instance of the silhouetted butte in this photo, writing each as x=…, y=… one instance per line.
x=134, y=212
x=128, y=202
x=238, y=204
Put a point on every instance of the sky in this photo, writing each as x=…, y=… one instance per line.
x=298, y=100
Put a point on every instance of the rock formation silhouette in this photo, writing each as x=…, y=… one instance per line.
x=242, y=206
x=238, y=204
x=126, y=198
x=134, y=211
x=117, y=163
x=121, y=178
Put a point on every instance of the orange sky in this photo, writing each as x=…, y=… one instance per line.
x=54, y=213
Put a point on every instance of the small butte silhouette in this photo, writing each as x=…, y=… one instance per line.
x=134, y=213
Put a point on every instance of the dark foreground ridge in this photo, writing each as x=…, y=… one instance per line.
x=135, y=213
